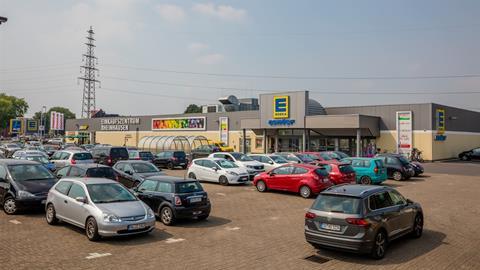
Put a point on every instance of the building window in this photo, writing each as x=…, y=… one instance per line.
x=259, y=142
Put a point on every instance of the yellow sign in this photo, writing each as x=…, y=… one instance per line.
x=440, y=121
x=281, y=107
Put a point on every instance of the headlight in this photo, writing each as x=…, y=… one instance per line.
x=150, y=213
x=250, y=166
x=233, y=173
x=111, y=218
x=25, y=194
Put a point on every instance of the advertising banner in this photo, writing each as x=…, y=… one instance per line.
x=32, y=125
x=15, y=126
x=404, y=132
x=57, y=121
x=440, y=121
x=180, y=123
x=223, y=124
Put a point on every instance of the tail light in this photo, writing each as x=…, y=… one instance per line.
x=358, y=222
x=73, y=161
x=310, y=215
x=109, y=161
x=375, y=170
x=178, y=201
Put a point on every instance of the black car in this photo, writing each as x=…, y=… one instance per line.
x=470, y=154
x=171, y=159
x=398, y=167
x=87, y=170
x=109, y=155
x=173, y=198
x=131, y=173
x=23, y=185
x=203, y=151
x=141, y=155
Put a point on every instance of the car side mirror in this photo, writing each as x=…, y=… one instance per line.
x=409, y=201
x=215, y=168
x=59, y=176
x=129, y=172
x=81, y=199
x=271, y=173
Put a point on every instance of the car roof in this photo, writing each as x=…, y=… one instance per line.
x=74, y=151
x=17, y=162
x=362, y=158
x=89, y=180
x=133, y=161
x=210, y=158
x=89, y=165
x=389, y=155
x=171, y=179
x=355, y=190
x=301, y=165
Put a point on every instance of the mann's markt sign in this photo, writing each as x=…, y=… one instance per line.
x=118, y=124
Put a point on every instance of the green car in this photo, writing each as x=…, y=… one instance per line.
x=368, y=170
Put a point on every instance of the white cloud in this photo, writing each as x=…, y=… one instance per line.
x=197, y=47
x=211, y=59
x=224, y=12
x=171, y=13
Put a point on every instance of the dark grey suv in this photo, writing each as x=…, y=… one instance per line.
x=361, y=218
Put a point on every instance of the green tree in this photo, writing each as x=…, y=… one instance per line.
x=193, y=108
x=11, y=107
x=67, y=113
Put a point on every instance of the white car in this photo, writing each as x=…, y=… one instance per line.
x=270, y=161
x=217, y=170
x=252, y=166
x=66, y=157
x=21, y=153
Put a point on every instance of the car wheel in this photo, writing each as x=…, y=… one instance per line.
x=166, y=216
x=397, y=176
x=379, y=245
x=223, y=180
x=10, y=206
x=465, y=158
x=170, y=166
x=51, y=215
x=261, y=186
x=417, y=226
x=192, y=176
x=203, y=217
x=365, y=180
x=305, y=192
x=91, y=229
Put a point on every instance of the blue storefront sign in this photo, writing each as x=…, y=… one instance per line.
x=281, y=122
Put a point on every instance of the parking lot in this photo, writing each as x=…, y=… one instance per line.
x=250, y=230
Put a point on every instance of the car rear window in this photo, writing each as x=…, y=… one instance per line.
x=82, y=156
x=379, y=163
x=346, y=168
x=179, y=154
x=119, y=152
x=101, y=172
x=148, y=155
x=337, y=204
x=321, y=172
x=188, y=187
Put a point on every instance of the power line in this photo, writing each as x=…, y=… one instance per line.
x=153, y=94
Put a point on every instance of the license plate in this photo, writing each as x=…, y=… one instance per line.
x=196, y=213
x=330, y=227
x=43, y=201
x=195, y=200
x=136, y=226
x=181, y=164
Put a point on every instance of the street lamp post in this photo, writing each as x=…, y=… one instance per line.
x=43, y=112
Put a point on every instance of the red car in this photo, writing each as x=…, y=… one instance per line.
x=340, y=173
x=321, y=157
x=305, y=179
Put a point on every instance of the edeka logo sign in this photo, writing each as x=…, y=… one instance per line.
x=281, y=107
x=281, y=122
x=182, y=123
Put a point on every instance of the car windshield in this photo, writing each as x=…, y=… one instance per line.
x=403, y=160
x=40, y=159
x=82, y=156
x=109, y=193
x=304, y=158
x=179, y=154
x=147, y=155
x=106, y=172
x=188, y=187
x=241, y=157
x=279, y=159
x=226, y=164
x=326, y=156
x=144, y=168
x=346, y=168
x=29, y=172
x=341, y=154
x=119, y=153
x=337, y=204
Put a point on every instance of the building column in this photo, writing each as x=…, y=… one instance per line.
x=265, y=150
x=244, y=142
x=304, y=140
x=359, y=137
x=337, y=144
x=275, y=147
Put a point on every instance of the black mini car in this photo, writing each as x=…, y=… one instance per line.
x=171, y=159
x=173, y=198
x=470, y=154
x=398, y=167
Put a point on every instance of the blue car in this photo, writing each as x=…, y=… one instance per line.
x=368, y=170
x=41, y=159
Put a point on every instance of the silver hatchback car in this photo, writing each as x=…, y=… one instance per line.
x=361, y=218
x=100, y=206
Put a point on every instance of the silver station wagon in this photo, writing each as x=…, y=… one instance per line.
x=361, y=218
x=100, y=206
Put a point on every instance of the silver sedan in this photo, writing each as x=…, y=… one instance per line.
x=100, y=206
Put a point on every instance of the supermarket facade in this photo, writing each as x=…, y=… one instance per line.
x=291, y=121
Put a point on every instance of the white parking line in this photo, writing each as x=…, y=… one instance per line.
x=221, y=194
x=174, y=240
x=14, y=221
x=97, y=255
x=274, y=218
x=232, y=228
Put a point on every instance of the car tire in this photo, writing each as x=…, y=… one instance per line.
x=316, y=246
x=51, y=215
x=365, y=180
x=91, y=229
x=170, y=166
x=305, y=192
x=223, y=180
x=417, y=226
x=166, y=216
x=10, y=206
x=261, y=186
x=379, y=245
x=465, y=158
x=192, y=176
x=397, y=176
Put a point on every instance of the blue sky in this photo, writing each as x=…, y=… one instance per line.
x=42, y=43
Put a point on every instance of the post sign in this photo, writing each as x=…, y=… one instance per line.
x=223, y=126
x=440, y=113
x=281, y=107
x=404, y=132
x=32, y=125
x=179, y=123
x=16, y=126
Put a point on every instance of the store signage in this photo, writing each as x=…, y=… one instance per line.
x=281, y=122
x=281, y=107
x=118, y=124
x=180, y=123
x=404, y=132
x=15, y=126
x=57, y=121
x=32, y=125
x=83, y=127
x=223, y=126
x=440, y=121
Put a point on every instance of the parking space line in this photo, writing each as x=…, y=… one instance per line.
x=174, y=240
x=14, y=221
x=274, y=218
x=97, y=255
x=232, y=228
x=221, y=194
